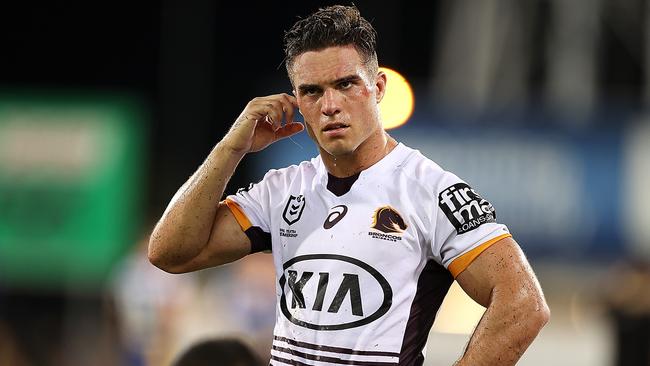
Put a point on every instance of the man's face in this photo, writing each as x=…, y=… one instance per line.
x=338, y=98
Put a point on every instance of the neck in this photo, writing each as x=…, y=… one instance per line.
x=366, y=155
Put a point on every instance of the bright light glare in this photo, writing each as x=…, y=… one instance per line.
x=397, y=106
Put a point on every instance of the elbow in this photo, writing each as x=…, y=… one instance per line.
x=155, y=259
x=537, y=314
x=153, y=250
x=159, y=262
x=157, y=256
x=543, y=314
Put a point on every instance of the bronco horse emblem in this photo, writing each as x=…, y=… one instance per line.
x=388, y=220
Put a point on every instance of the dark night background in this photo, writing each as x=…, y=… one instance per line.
x=194, y=67
x=196, y=64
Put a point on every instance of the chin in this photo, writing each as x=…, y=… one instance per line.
x=338, y=149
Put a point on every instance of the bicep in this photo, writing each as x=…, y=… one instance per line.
x=227, y=243
x=502, y=269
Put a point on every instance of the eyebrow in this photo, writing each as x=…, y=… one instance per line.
x=304, y=87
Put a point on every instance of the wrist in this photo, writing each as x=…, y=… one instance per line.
x=232, y=149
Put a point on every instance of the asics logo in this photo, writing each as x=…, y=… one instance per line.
x=338, y=212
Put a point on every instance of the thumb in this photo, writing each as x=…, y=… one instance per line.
x=289, y=129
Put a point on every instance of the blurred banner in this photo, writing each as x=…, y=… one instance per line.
x=637, y=194
x=559, y=193
x=70, y=188
x=564, y=193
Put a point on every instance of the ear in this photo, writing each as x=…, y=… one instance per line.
x=380, y=84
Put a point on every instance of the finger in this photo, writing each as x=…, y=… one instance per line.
x=278, y=106
x=290, y=104
x=289, y=129
x=291, y=99
x=253, y=112
x=288, y=110
x=273, y=111
x=294, y=103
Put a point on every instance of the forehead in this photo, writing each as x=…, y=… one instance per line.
x=329, y=64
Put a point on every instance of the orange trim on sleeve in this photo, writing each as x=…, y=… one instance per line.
x=460, y=264
x=239, y=214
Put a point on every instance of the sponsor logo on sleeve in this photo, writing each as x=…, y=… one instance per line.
x=465, y=209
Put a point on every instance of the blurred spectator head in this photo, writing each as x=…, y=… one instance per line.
x=224, y=352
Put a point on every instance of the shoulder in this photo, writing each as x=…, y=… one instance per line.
x=424, y=172
x=277, y=181
x=304, y=169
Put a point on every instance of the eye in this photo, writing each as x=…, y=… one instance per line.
x=347, y=84
x=310, y=91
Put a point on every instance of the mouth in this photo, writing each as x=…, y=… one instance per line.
x=335, y=127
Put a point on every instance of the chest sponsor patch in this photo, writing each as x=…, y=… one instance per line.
x=333, y=292
x=465, y=208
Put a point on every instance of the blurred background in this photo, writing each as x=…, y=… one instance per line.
x=107, y=108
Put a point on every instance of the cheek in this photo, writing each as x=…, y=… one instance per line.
x=310, y=131
x=365, y=99
x=356, y=96
x=305, y=108
x=307, y=114
x=310, y=114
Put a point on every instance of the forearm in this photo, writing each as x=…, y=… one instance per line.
x=185, y=226
x=505, y=331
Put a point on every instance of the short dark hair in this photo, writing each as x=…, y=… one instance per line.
x=336, y=25
x=226, y=352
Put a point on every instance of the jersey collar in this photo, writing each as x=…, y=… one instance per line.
x=393, y=159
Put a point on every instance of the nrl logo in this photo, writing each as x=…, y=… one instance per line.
x=293, y=209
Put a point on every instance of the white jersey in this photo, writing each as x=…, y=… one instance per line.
x=363, y=263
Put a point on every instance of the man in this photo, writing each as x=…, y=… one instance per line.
x=368, y=236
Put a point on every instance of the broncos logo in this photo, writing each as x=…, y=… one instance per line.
x=388, y=220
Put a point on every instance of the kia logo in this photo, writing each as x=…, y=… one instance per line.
x=316, y=297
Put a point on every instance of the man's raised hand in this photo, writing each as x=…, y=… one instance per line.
x=260, y=123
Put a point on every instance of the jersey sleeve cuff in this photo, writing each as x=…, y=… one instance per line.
x=260, y=240
x=459, y=264
x=239, y=214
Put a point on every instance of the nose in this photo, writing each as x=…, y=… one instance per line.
x=330, y=103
